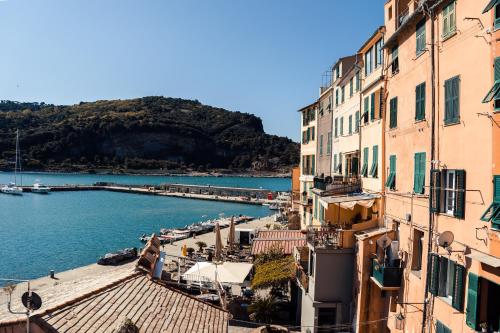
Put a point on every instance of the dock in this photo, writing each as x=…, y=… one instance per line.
x=187, y=191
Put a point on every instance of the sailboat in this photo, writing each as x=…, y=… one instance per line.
x=12, y=187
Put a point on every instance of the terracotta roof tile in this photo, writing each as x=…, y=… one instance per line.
x=286, y=239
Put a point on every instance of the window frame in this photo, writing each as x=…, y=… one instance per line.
x=450, y=192
x=451, y=114
x=420, y=34
x=449, y=15
x=420, y=102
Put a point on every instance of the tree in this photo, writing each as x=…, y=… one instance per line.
x=201, y=245
x=263, y=309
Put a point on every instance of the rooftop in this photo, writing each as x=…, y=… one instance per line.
x=286, y=239
x=151, y=306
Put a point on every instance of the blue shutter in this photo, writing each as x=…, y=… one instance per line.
x=471, y=313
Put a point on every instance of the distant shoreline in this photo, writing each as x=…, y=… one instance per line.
x=161, y=174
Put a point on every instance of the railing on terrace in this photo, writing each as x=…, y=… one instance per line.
x=325, y=236
x=403, y=16
x=387, y=276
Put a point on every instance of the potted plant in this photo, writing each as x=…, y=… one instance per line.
x=190, y=251
x=201, y=245
x=484, y=326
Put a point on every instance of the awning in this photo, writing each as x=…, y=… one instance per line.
x=484, y=258
x=490, y=5
x=348, y=205
x=348, y=200
x=228, y=272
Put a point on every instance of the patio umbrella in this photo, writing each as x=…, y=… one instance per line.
x=184, y=250
x=218, y=242
x=231, y=236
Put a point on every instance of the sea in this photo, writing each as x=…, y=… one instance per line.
x=65, y=230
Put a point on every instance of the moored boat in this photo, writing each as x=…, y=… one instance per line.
x=11, y=189
x=40, y=188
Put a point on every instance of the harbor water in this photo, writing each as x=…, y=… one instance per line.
x=65, y=230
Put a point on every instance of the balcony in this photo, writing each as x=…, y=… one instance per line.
x=386, y=277
x=337, y=186
x=325, y=236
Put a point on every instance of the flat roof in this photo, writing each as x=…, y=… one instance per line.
x=346, y=198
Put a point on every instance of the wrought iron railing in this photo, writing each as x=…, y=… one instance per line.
x=325, y=236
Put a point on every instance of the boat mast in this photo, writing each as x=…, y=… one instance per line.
x=18, y=160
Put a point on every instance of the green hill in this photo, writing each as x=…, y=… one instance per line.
x=149, y=133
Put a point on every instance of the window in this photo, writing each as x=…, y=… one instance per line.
x=493, y=212
x=321, y=145
x=367, y=107
x=379, y=53
x=449, y=199
x=494, y=92
x=419, y=173
x=497, y=16
x=393, y=114
x=350, y=124
x=449, y=19
x=368, y=62
x=336, y=127
x=374, y=168
x=351, y=87
x=420, y=34
x=329, y=144
x=389, y=13
x=372, y=107
x=364, y=169
x=335, y=163
x=336, y=97
x=313, y=165
x=356, y=122
x=482, y=298
x=391, y=179
x=340, y=163
x=312, y=133
x=441, y=328
x=329, y=103
x=358, y=82
x=343, y=94
x=418, y=249
x=395, y=60
x=327, y=317
x=446, y=279
x=452, y=101
x=420, y=102
x=448, y=192
x=341, y=126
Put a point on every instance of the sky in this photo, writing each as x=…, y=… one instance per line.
x=264, y=57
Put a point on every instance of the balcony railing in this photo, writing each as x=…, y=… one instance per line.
x=325, y=236
x=387, y=276
x=403, y=16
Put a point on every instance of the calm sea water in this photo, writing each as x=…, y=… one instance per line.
x=65, y=230
x=276, y=184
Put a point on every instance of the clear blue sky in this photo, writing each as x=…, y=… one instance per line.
x=264, y=57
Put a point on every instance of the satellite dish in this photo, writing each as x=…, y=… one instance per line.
x=445, y=239
x=384, y=242
x=31, y=303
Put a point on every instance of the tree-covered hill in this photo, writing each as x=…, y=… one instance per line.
x=149, y=133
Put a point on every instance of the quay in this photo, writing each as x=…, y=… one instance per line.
x=201, y=192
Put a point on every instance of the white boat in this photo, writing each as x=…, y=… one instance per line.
x=274, y=206
x=40, y=188
x=12, y=188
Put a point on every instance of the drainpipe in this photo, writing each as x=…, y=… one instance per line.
x=431, y=14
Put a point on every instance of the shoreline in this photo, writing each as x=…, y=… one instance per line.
x=77, y=281
x=160, y=174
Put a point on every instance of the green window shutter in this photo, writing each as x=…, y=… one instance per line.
x=433, y=274
x=313, y=166
x=419, y=173
x=335, y=162
x=391, y=179
x=374, y=168
x=321, y=145
x=341, y=126
x=435, y=191
x=458, y=292
x=337, y=97
x=455, y=92
x=358, y=82
x=343, y=94
x=420, y=36
x=365, y=113
x=372, y=107
x=393, y=121
x=452, y=100
x=350, y=124
x=441, y=328
x=420, y=102
x=497, y=69
x=336, y=127
x=356, y=122
x=496, y=188
x=460, y=194
x=351, y=87
x=364, y=170
x=471, y=313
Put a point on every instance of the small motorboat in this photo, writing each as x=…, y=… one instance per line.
x=11, y=189
x=118, y=257
x=40, y=188
x=274, y=206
